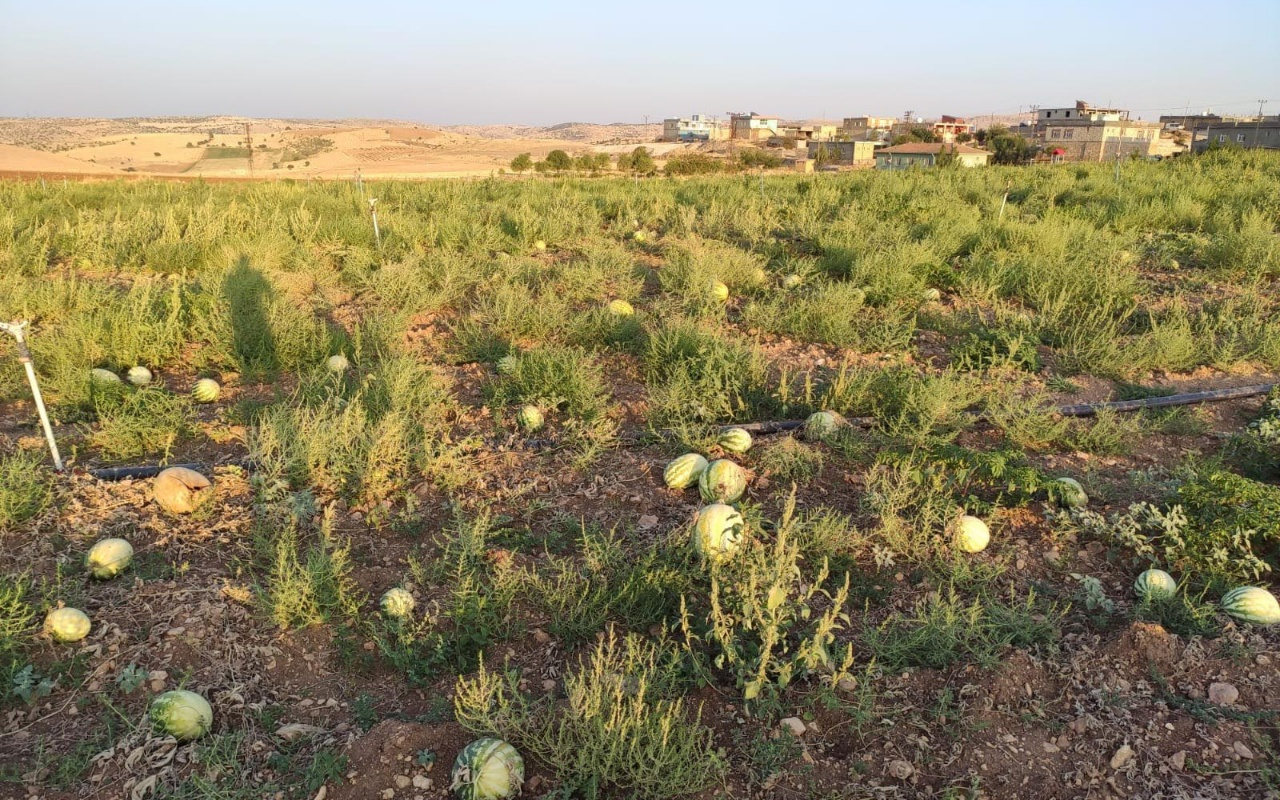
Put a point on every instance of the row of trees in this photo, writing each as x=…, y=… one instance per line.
x=639, y=161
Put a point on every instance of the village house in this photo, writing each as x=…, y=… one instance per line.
x=843, y=152
x=752, y=127
x=927, y=154
x=1088, y=133
x=945, y=129
x=1262, y=133
x=697, y=128
x=871, y=129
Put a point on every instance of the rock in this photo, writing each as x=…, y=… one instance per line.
x=541, y=637
x=297, y=730
x=792, y=724
x=847, y=685
x=403, y=782
x=322, y=793
x=1123, y=756
x=533, y=784
x=647, y=521
x=421, y=782
x=1242, y=750
x=548, y=685
x=1223, y=694
x=1049, y=747
x=1178, y=760
x=387, y=794
x=902, y=770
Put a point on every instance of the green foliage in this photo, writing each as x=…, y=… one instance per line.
x=556, y=378
x=559, y=161
x=307, y=587
x=791, y=461
x=149, y=421
x=754, y=157
x=639, y=161
x=522, y=163
x=618, y=733
x=306, y=147
x=693, y=164
x=26, y=488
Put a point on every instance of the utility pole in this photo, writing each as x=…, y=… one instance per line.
x=1258, y=125
x=248, y=142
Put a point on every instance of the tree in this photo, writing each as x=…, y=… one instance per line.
x=1006, y=146
x=946, y=157
x=521, y=163
x=964, y=136
x=559, y=161
x=642, y=161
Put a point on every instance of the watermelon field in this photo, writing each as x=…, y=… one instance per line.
x=804, y=486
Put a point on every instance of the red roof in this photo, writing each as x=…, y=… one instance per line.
x=934, y=147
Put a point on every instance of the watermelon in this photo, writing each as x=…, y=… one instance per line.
x=179, y=490
x=684, y=471
x=734, y=440
x=931, y=295
x=1067, y=493
x=181, y=714
x=337, y=363
x=1154, y=582
x=396, y=603
x=822, y=424
x=639, y=236
x=722, y=482
x=971, y=534
x=487, y=769
x=1252, y=604
x=67, y=624
x=139, y=376
x=718, y=292
x=621, y=308
x=206, y=390
x=103, y=376
x=539, y=245
x=792, y=281
x=529, y=418
x=108, y=558
x=761, y=276
x=506, y=365
x=717, y=531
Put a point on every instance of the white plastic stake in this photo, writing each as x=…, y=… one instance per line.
x=377, y=235
x=15, y=329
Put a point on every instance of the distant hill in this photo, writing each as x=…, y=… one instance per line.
x=584, y=132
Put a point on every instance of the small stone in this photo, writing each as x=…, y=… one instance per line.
x=647, y=521
x=369, y=646
x=1050, y=747
x=540, y=636
x=900, y=769
x=847, y=685
x=1178, y=760
x=387, y=794
x=533, y=784
x=421, y=782
x=1123, y=756
x=548, y=685
x=403, y=782
x=794, y=725
x=1242, y=750
x=1223, y=694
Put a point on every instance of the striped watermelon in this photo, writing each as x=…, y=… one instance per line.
x=487, y=769
x=103, y=376
x=722, y=482
x=206, y=390
x=621, y=308
x=1067, y=493
x=1252, y=604
x=506, y=365
x=822, y=424
x=139, y=376
x=734, y=440
x=529, y=418
x=717, y=531
x=718, y=292
x=108, y=558
x=1154, y=582
x=684, y=471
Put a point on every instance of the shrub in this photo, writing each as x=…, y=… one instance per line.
x=26, y=488
x=692, y=164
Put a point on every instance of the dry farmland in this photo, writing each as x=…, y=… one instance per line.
x=521, y=360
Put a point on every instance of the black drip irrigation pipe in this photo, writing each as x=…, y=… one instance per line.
x=785, y=425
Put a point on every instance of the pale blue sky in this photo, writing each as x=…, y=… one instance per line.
x=541, y=63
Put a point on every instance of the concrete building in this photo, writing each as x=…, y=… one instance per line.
x=1262, y=132
x=694, y=129
x=926, y=154
x=867, y=129
x=854, y=154
x=1089, y=133
x=752, y=127
x=945, y=128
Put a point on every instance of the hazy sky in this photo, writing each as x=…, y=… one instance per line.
x=540, y=63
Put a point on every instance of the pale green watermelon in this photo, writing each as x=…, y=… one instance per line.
x=792, y=281
x=1154, y=582
x=103, y=377
x=722, y=482
x=396, y=603
x=822, y=424
x=337, y=363
x=718, y=292
x=931, y=295
x=206, y=390
x=181, y=714
x=67, y=624
x=621, y=308
x=971, y=534
x=487, y=769
x=529, y=418
x=718, y=531
x=684, y=471
x=139, y=376
x=734, y=440
x=108, y=558
x=1252, y=604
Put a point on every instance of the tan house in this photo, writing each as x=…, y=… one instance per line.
x=927, y=154
x=867, y=128
x=752, y=127
x=1089, y=133
x=846, y=153
x=945, y=128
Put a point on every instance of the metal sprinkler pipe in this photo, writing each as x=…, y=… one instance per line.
x=15, y=329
